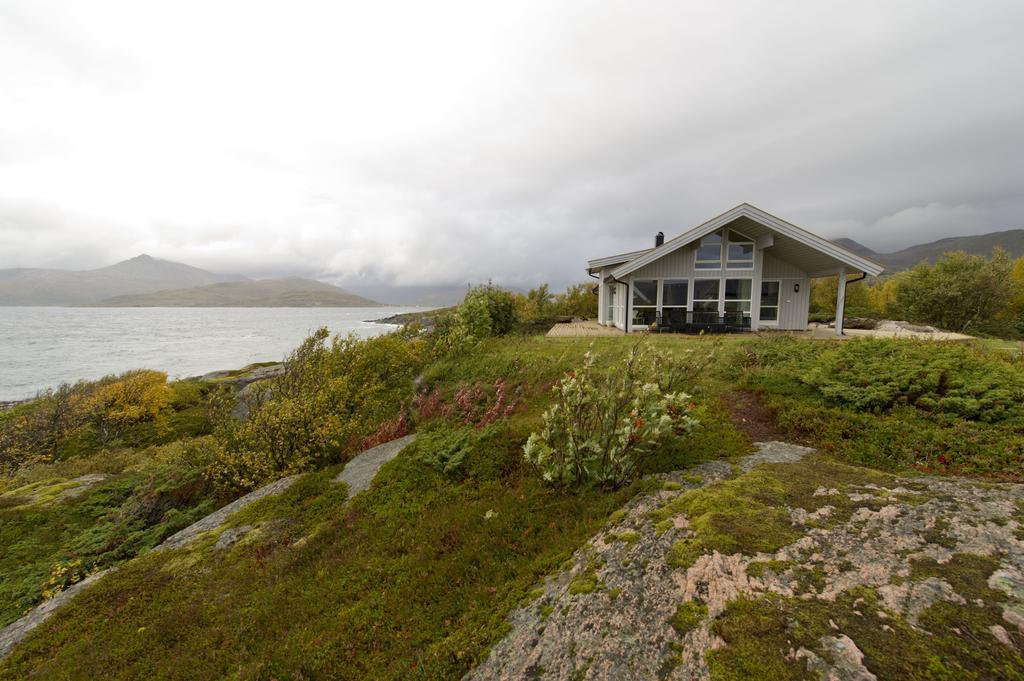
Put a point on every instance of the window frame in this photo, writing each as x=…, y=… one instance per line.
x=749, y=301
x=705, y=263
x=717, y=300
x=741, y=240
x=639, y=321
x=777, y=306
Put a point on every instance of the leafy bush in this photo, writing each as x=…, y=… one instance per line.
x=877, y=375
x=448, y=450
x=328, y=400
x=959, y=292
x=487, y=311
x=601, y=426
x=83, y=417
x=134, y=397
x=895, y=403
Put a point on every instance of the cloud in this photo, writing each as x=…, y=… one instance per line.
x=430, y=144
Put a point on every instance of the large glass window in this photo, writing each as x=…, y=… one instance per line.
x=737, y=295
x=674, y=300
x=674, y=293
x=705, y=295
x=740, y=256
x=709, y=252
x=611, y=303
x=645, y=301
x=769, y=301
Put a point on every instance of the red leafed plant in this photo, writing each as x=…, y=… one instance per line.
x=476, y=405
x=400, y=426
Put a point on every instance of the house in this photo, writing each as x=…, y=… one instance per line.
x=745, y=268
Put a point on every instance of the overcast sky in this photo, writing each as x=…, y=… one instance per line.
x=437, y=142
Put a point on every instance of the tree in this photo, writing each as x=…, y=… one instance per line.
x=823, y=298
x=959, y=292
x=579, y=300
x=1015, y=310
x=539, y=301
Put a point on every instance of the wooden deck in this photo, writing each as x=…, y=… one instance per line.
x=578, y=329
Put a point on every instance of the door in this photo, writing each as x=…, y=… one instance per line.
x=769, y=303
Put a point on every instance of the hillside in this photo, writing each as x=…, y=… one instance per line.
x=288, y=292
x=736, y=556
x=981, y=244
x=141, y=274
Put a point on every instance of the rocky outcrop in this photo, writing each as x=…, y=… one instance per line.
x=360, y=471
x=610, y=613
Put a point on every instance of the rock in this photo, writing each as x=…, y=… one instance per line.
x=560, y=634
x=14, y=632
x=847, y=659
x=85, y=483
x=774, y=452
x=896, y=327
x=217, y=518
x=231, y=536
x=360, y=471
x=1002, y=636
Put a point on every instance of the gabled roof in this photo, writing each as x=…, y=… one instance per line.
x=756, y=215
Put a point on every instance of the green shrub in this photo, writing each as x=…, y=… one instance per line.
x=895, y=403
x=602, y=425
x=485, y=311
x=448, y=450
x=878, y=375
x=328, y=400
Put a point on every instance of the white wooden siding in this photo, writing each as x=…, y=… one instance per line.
x=677, y=264
x=774, y=268
x=793, y=305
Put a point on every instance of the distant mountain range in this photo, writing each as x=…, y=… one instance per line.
x=288, y=292
x=141, y=274
x=144, y=281
x=982, y=244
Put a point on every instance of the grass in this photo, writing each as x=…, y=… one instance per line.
x=416, y=577
x=688, y=616
x=413, y=578
x=931, y=423
x=126, y=514
x=408, y=579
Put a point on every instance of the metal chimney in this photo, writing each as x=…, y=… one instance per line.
x=659, y=239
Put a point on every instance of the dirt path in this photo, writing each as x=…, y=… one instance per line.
x=787, y=565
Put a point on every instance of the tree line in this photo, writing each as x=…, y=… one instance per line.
x=960, y=292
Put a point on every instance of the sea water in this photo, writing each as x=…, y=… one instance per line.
x=42, y=347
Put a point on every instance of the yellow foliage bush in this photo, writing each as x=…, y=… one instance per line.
x=330, y=397
x=133, y=397
x=34, y=432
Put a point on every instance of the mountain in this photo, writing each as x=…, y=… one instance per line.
x=288, y=292
x=981, y=244
x=141, y=274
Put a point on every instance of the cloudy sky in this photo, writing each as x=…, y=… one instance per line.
x=427, y=143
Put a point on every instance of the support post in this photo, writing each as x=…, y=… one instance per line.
x=840, y=301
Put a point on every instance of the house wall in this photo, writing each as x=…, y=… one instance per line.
x=675, y=265
x=793, y=305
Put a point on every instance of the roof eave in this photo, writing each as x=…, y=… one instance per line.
x=821, y=244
